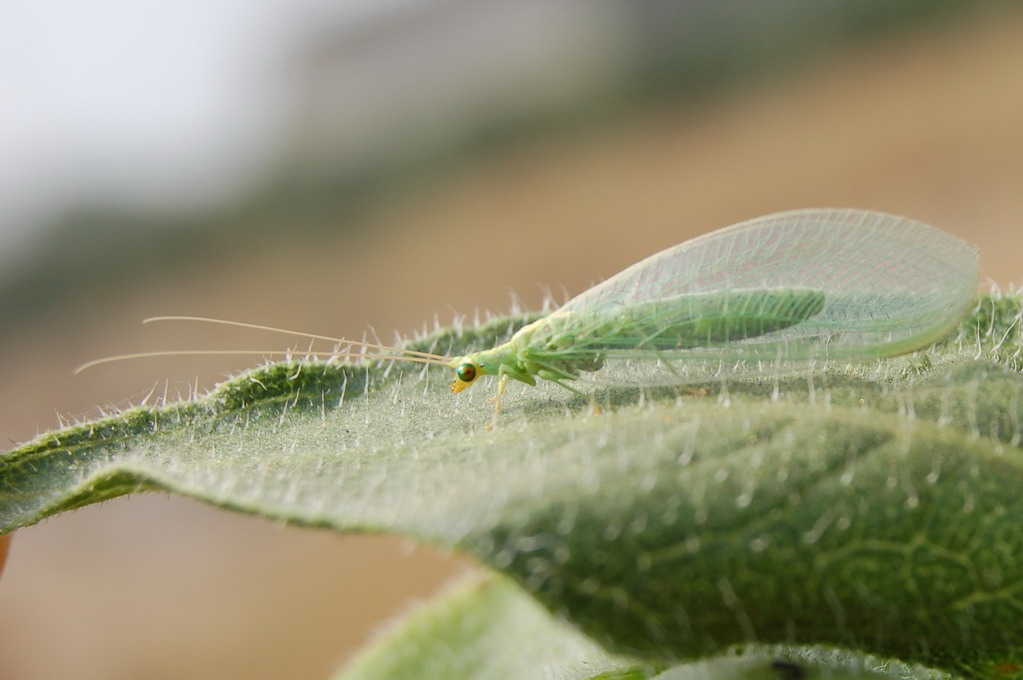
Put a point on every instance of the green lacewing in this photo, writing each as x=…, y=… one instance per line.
x=802, y=286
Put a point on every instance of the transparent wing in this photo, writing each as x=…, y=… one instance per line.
x=891, y=285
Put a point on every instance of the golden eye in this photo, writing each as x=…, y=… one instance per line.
x=466, y=372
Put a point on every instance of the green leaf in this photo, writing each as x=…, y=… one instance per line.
x=872, y=507
x=485, y=627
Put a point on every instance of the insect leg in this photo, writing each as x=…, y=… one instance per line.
x=502, y=382
x=559, y=376
x=555, y=375
x=561, y=383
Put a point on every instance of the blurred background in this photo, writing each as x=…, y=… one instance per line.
x=352, y=164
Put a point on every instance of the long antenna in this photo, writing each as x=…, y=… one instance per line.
x=197, y=352
x=311, y=336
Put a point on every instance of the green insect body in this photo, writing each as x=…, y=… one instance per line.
x=560, y=347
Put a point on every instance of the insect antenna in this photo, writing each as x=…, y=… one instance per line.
x=379, y=351
x=255, y=352
x=310, y=336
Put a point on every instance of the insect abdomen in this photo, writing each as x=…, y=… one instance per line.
x=699, y=320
